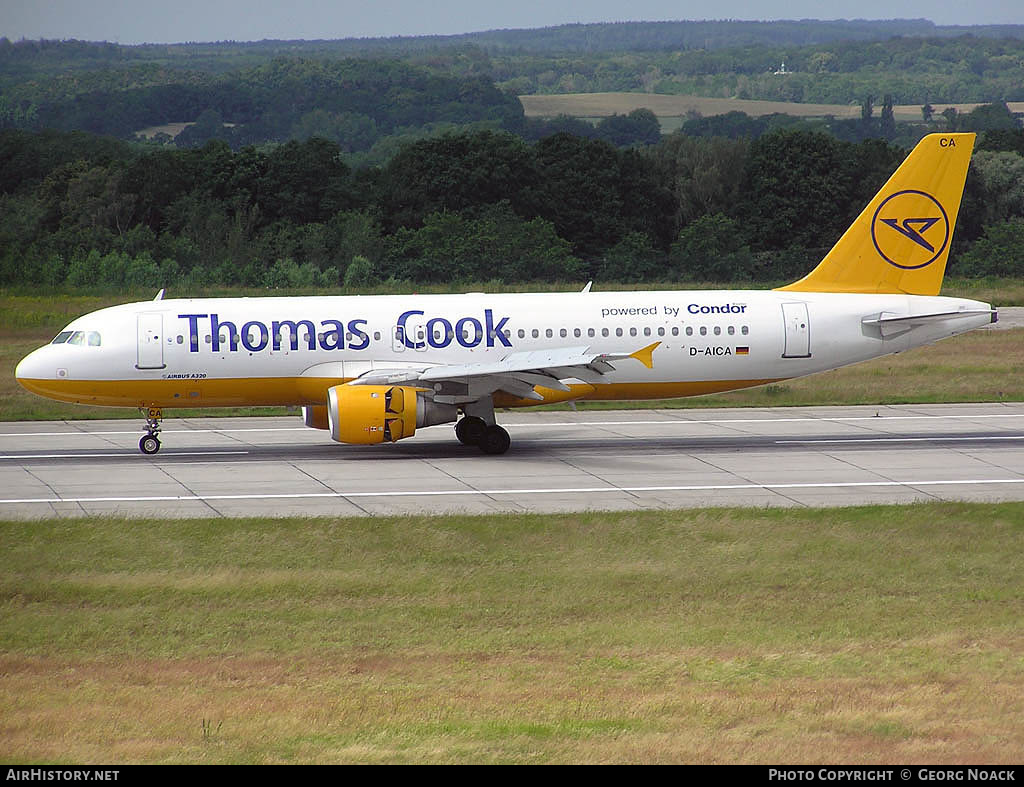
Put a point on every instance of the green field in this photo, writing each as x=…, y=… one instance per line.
x=863, y=635
x=983, y=366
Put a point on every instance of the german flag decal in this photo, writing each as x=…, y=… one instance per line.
x=743, y=351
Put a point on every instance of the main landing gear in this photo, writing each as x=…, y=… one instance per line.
x=150, y=443
x=490, y=438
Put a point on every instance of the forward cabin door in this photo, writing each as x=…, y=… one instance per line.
x=798, y=330
x=151, y=341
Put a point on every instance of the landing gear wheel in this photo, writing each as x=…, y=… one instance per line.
x=495, y=440
x=470, y=429
x=150, y=443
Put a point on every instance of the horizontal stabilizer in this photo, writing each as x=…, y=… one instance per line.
x=890, y=324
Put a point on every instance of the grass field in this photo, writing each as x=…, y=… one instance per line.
x=864, y=635
x=597, y=105
x=984, y=366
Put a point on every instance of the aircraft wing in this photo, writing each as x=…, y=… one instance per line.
x=517, y=374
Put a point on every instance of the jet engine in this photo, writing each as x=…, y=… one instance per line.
x=369, y=414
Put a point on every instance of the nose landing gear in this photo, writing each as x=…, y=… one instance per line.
x=150, y=443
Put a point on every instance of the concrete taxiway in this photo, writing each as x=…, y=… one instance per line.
x=559, y=461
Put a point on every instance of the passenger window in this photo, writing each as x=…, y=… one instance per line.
x=207, y=338
x=632, y=331
x=661, y=331
x=732, y=330
x=535, y=333
x=675, y=330
x=689, y=330
x=703, y=330
x=181, y=339
x=718, y=330
x=618, y=331
x=522, y=334
x=604, y=331
x=376, y=336
x=563, y=333
x=577, y=333
x=744, y=330
x=61, y=337
x=647, y=331
x=591, y=332
x=548, y=333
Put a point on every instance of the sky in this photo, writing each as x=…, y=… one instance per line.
x=139, y=21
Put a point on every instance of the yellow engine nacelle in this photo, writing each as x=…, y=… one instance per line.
x=315, y=417
x=369, y=414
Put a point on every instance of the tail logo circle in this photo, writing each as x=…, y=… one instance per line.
x=910, y=229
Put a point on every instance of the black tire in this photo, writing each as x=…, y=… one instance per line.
x=470, y=430
x=495, y=440
x=149, y=444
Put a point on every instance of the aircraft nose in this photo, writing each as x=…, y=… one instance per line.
x=33, y=367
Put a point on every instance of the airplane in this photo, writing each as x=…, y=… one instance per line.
x=374, y=369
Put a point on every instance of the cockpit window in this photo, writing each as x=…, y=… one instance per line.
x=79, y=338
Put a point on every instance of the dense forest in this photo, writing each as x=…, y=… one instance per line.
x=410, y=160
x=83, y=210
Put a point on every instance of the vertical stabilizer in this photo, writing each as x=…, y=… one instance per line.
x=900, y=242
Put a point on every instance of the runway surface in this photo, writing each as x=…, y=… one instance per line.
x=559, y=461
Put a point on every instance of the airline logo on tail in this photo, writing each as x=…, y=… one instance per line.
x=910, y=229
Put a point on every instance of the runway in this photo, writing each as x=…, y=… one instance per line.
x=559, y=461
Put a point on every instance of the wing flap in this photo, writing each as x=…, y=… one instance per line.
x=518, y=374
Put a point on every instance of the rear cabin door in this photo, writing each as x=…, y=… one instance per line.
x=798, y=330
x=151, y=341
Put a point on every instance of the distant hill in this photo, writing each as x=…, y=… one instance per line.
x=718, y=34
x=573, y=38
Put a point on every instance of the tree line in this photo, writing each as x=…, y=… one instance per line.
x=81, y=210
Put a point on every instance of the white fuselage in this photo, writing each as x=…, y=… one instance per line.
x=288, y=351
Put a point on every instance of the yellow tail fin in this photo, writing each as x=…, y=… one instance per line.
x=901, y=241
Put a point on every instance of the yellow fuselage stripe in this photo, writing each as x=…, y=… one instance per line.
x=277, y=391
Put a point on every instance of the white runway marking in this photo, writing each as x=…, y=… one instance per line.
x=897, y=440
x=495, y=492
x=561, y=424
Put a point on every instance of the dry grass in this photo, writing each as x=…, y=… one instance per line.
x=982, y=366
x=428, y=708
x=873, y=635
x=605, y=104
